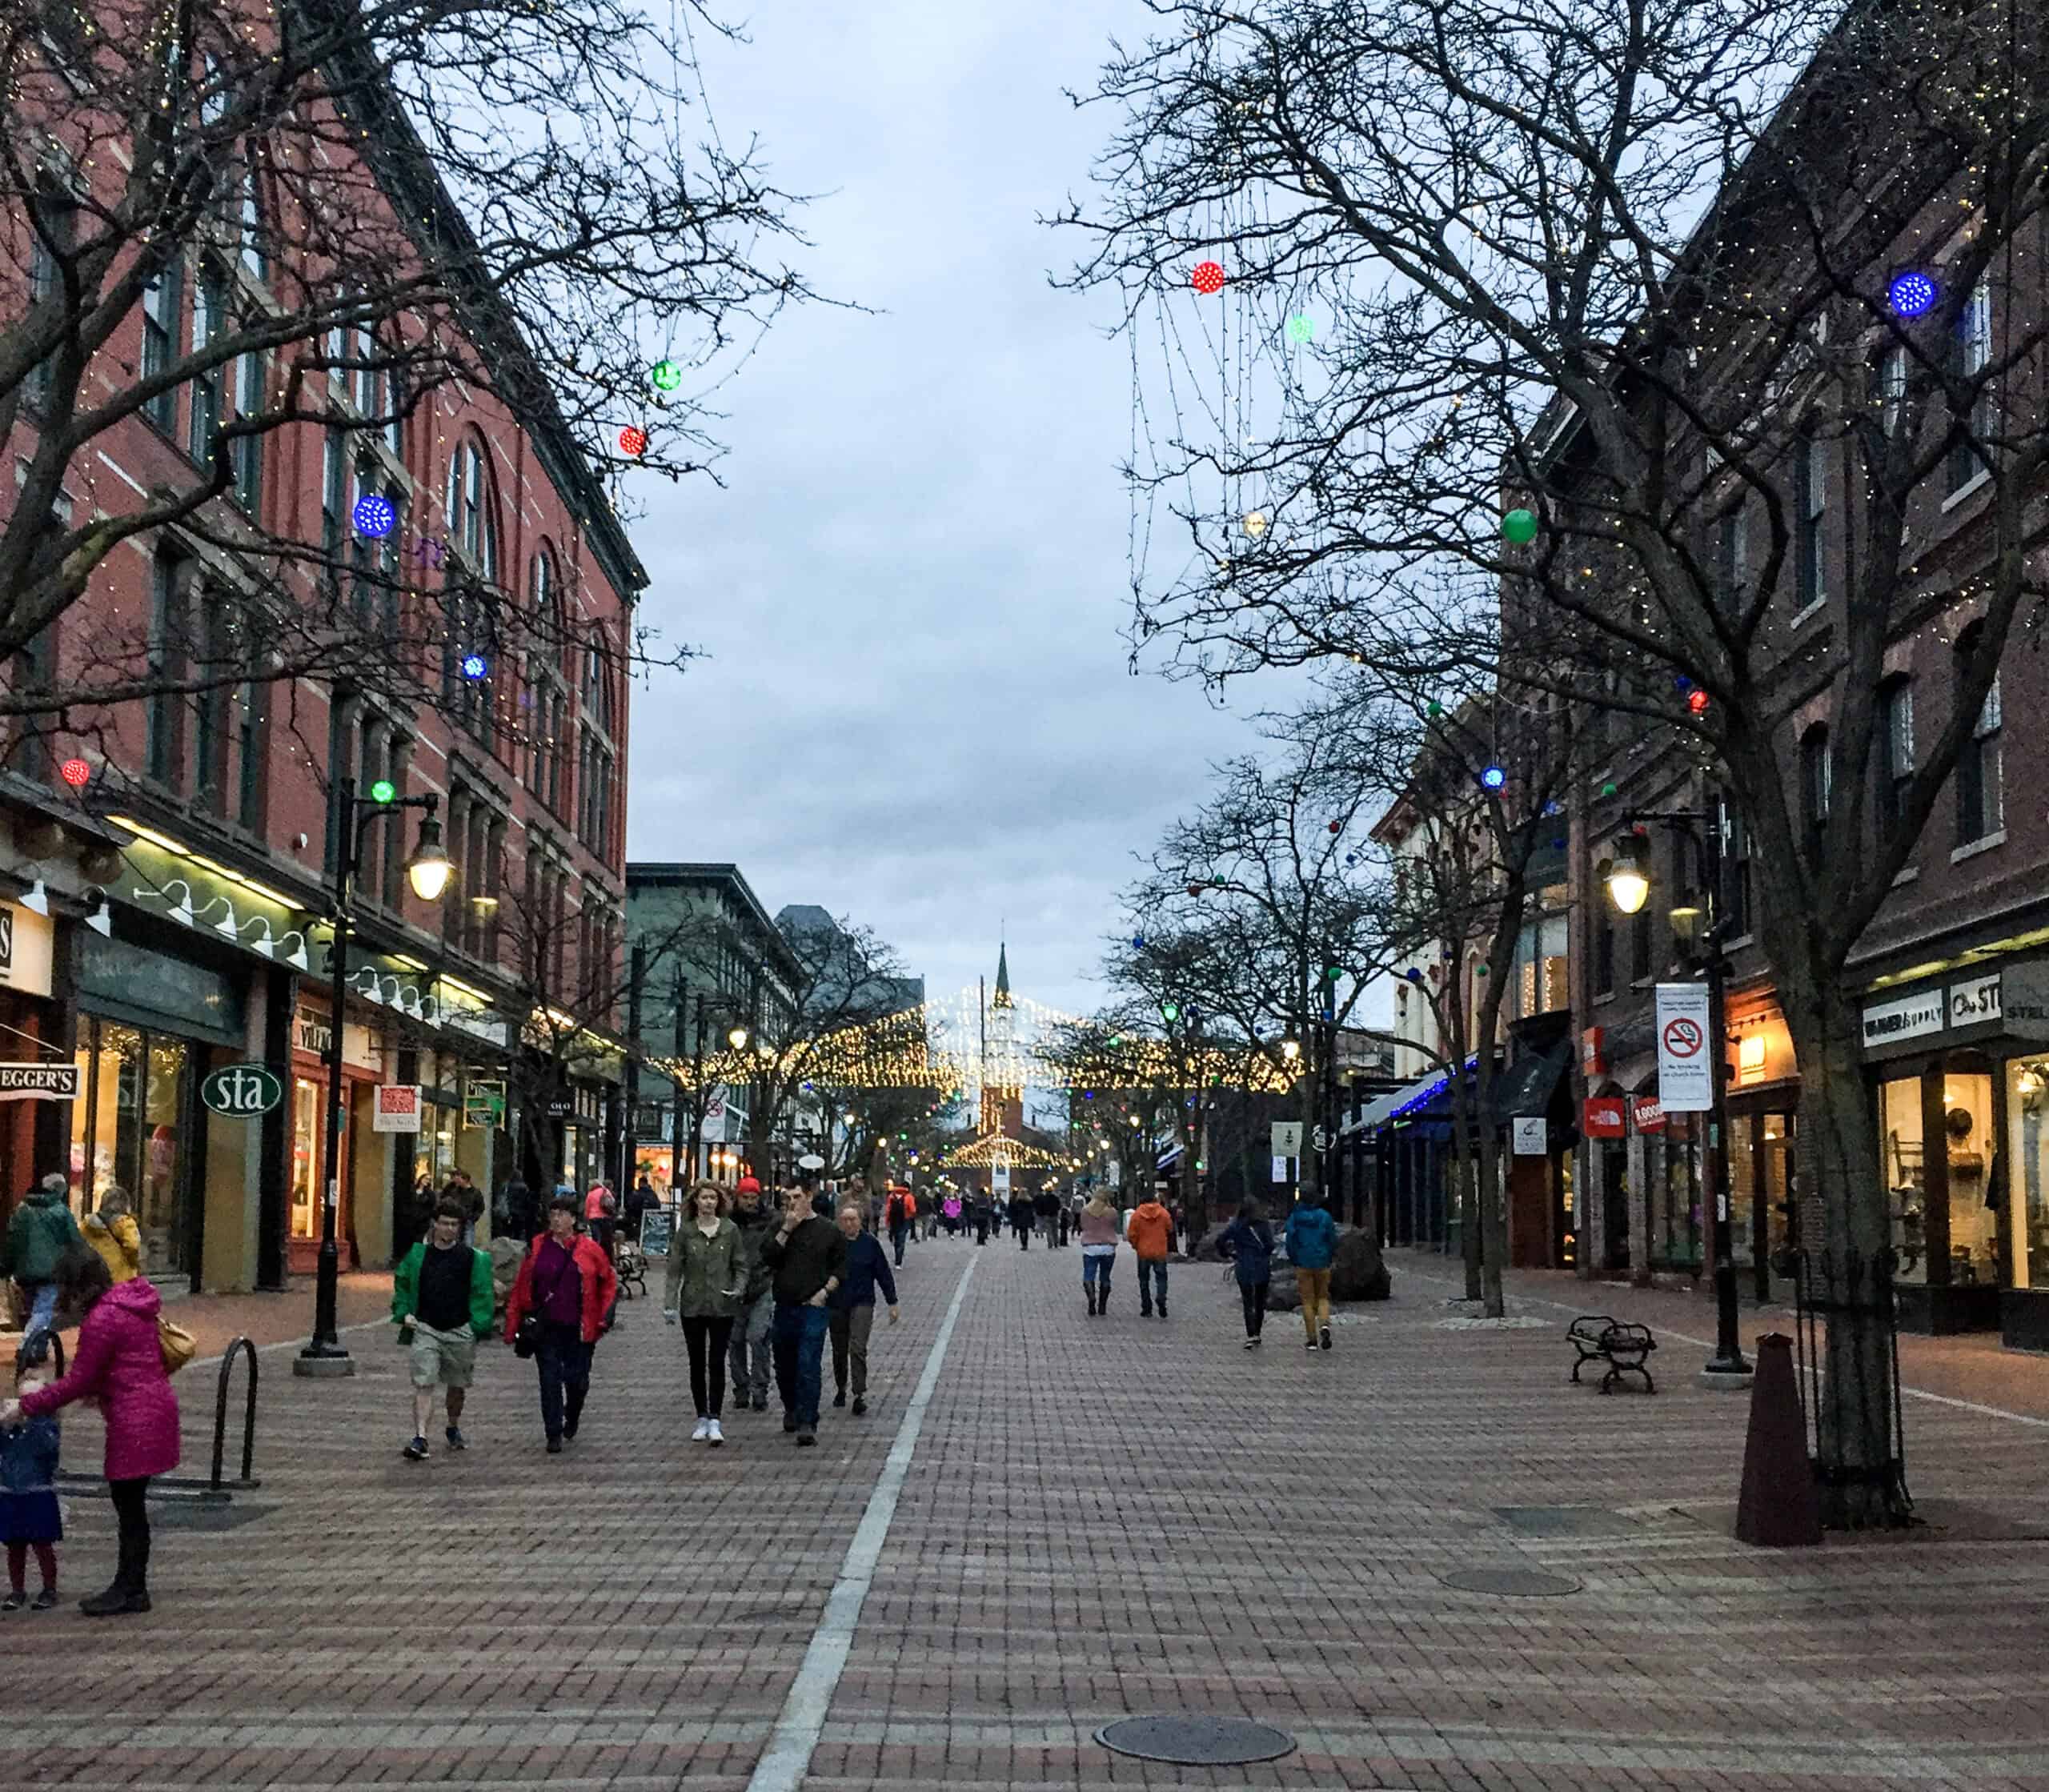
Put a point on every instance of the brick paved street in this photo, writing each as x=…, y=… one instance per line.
x=1099, y=1517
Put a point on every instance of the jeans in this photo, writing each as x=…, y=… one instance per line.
x=850, y=1329
x=1152, y=1270
x=800, y=1335
x=1253, y=1294
x=1314, y=1286
x=1024, y=1236
x=563, y=1360
x=1096, y=1267
x=982, y=1229
x=750, y=1341
x=41, y=1300
x=131, y=1513
x=707, y=1339
x=897, y=1233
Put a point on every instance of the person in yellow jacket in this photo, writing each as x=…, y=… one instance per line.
x=113, y=1233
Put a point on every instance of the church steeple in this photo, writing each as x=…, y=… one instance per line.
x=1002, y=998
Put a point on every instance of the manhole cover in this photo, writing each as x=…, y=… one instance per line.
x=1524, y=1583
x=1196, y=1742
x=1567, y=1521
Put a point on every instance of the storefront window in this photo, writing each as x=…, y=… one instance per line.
x=305, y=1141
x=1972, y=1148
x=127, y=1129
x=1906, y=1173
x=2027, y=1106
x=1743, y=1188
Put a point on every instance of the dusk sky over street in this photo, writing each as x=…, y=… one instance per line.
x=916, y=708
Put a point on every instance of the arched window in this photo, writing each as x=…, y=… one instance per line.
x=546, y=701
x=471, y=509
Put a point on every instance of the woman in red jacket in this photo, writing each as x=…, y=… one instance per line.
x=567, y=1285
x=119, y=1362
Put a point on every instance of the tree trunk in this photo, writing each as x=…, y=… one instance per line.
x=1491, y=1229
x=1843, y=1231
x=1463, y=1191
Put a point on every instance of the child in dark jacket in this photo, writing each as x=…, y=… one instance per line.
x=30, y=1517
x=1247, y=1243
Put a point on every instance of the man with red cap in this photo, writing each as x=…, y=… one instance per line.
x=749, y=1356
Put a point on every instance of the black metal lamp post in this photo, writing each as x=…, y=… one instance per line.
x=1629, y=888
x=428, y=871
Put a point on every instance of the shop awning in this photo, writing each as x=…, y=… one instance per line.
x=1427, y=1097
x=1523, y=1091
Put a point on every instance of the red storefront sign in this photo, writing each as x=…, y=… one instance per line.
x=1648, y=1112
x=1601, y=1116
x=1593, y=1052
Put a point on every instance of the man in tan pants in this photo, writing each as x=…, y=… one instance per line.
x=1312, y=1243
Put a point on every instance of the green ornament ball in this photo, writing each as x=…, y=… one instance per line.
x=1301, y=327
x=1520, y=527
x=1434, y=709
x=666, y=376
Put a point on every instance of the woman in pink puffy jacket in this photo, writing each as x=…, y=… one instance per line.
x=117, y=1362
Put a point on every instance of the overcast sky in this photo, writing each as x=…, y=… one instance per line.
x=916, y=709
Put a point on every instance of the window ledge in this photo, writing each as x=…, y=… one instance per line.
x=1808, y=611
x=1910, y=874
x=1983, y=476
x=1971, y=849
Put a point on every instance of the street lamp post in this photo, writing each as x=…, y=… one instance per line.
x=1629, y=888
x=737, y=1038
x=428, y=871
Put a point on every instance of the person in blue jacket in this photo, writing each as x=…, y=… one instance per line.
x=29, y=1516
x=1247, y=1245
x=853, y=1306
x=1312, y=1243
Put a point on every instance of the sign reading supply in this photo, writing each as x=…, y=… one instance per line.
x=242, y=1091
x=398, y=1109
x=38, y=1082
x=1908, y=1017
x=1685, y=1075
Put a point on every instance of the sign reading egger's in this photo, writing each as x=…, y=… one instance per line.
x=38, y=1082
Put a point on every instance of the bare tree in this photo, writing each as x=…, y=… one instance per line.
x=1637, y=273
x=329, y=217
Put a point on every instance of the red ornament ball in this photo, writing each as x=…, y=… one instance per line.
x=1697, y=702
x=76, y=772
x=1208, y=277
x=633, y=440
x=1337, y=826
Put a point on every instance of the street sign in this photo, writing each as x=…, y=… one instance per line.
x=398, y=1109
x=1287, y=1138
x=1686, y=1076
x=811, y=1161
x=242, y=1091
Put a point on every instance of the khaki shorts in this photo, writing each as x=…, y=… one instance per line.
x=442, y=1359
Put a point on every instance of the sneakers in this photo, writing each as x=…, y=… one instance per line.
x=13, y=1602
x=555, y=1446
x=1163, y=1309
x=789, y=1424
x=1323, y=1337
x=713, y=1435
x=1252, y=1344
x=455, y=1439
x=1144, y=1312
x=45, y=1601
x=1313, y=1344
x=415, y=1451
x=860, y=1405
x=704, y=1429
x=839, y=1399
x=807, y=1437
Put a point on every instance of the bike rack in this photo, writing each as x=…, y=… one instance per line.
x=247, y=1480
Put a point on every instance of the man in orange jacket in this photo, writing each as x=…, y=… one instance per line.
x=1151, y=1234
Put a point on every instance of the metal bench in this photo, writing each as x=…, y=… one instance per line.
x=1599, y=1337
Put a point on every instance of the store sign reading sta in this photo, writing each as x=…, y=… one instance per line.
x=242, y=1091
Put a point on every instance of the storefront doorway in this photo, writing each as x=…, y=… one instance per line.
x=135, y=1126
x=1761, y=1147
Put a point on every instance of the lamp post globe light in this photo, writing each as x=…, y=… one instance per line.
x=1627, y=876
x=428, y=871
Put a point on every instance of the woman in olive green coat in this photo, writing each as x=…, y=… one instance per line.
x=707, y=1276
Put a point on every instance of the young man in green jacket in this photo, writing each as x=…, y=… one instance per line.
x=443, y=1300
x=41, y=1233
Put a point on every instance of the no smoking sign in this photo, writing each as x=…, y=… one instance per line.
x=1685, y=1084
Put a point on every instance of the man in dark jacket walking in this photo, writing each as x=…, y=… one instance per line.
x=748, y=1356
x=1020, y=1220
x=853, y=1307
x=808, y=1258
x=41, y=1234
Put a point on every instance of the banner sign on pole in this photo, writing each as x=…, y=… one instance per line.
x=1287, y=1138
x=1686, y=1076
x=398, y=1109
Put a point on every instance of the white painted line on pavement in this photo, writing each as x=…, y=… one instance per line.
x=788, y=1758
